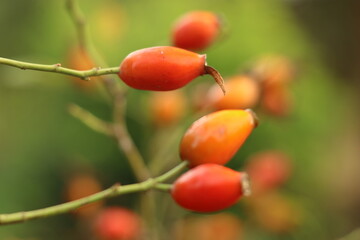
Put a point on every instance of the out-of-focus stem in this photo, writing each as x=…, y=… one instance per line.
x=90, y=120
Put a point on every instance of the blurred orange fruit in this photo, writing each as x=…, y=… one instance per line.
x=277, y=100
x=78, y=59
x=83, y=185
x=167, y=108
x=242, y=92
x=273, y=70
x=109, y=21
x=276, y=213
x=222, y=226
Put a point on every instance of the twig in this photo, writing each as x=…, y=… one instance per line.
x=130, y=150
x=56, y=68
x=90, y=120
x=121, y=134
x=116, y=190
x=79, y=21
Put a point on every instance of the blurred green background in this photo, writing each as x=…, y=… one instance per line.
x=41, y=144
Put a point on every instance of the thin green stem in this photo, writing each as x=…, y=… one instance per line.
x=119, y=130
x=116, y=190
x=165, y=187
x=56, y=68
x=166, y=176
x=168, y=140
x=90, y=120
x=82, y=31
x=130, y=150
x=79, y=21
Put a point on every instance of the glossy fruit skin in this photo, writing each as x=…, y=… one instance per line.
x=117, y=223
x=196, y=30
x=161, y=68
x=216, y=137
x=208, y=188
x=242, y=92
x=268, y=170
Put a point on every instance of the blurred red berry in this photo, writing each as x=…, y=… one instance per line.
x=268, y=170
x=196, y=30
x=117, y=223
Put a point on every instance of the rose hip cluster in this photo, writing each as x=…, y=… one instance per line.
x=213, y=139
x=207, y=145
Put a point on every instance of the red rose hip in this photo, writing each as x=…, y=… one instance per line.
x=164, y=68
x=209, y=187
x=196, y=30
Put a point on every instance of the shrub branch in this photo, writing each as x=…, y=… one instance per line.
x=57, y=68
x=115, y=190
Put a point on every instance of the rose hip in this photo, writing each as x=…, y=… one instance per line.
x=209, y=187
x=164, y=68
x=216, y=137
x=196, y=30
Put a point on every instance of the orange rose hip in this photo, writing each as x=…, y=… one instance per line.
x=216, y=137
x=243, y=92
